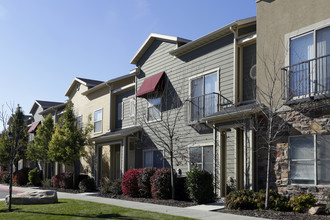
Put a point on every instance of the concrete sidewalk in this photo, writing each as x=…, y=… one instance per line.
x=197, y=212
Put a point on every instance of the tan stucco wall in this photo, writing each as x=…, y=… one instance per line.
x=85, y=106
x=275, y=19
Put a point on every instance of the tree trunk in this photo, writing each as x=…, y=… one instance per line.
x=267, y=181
x=44, y=173
x=172, y=177
x=74, y=176
x=10, y=184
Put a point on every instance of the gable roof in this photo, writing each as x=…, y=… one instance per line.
x=107, y=83
x=152, y=37
x=53, y=108
x=43, y=104
x=192, y=45
x=86, y=82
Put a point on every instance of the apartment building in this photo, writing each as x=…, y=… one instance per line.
x=293, y=48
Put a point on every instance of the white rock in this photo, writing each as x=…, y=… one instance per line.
x=36, y=197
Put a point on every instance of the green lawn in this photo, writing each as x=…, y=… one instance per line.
x=76, y=209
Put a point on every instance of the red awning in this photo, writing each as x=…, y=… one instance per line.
x=151, y=84
x=34, y=126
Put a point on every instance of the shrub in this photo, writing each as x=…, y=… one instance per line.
x=242, y=199
x=5, y=178
x=63, y=180
x=144, y=181
x=57, y=179
x=327, y=208
x=21, y=176
x=161, y=184
x=2, y=173
x=111, y=186
x=302, y=202
x=200, y=185
x=129, y=183
x=34, y=177
x=46, y=183
x=115, y=187
x=87, y=184
x=247, y=199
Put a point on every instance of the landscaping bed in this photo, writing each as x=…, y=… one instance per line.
x=271, y=214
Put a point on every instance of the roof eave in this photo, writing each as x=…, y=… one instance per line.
x=102, y=85
x=210, y=37
x=150, y=40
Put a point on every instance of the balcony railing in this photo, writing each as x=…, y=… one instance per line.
x=205, y=105
x=307, y=79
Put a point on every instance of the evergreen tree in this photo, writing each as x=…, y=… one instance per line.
x=39, y=150
x=68, y=141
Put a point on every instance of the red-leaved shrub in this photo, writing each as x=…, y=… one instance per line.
x=144, y=181
x=21, y=177
x=63, y=180
x=129, y=182
x=1, y=174
x=161, y=184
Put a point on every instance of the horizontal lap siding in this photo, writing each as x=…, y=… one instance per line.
x=218, y=54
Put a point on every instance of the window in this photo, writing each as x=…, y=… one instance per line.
x=153, y=158
x=310, y=63
x=120, y=111
x=202, y=157
x=203, y=98
x=154, y=108
x=98, y=121
x=310, y=159
x=79, y=121
x=132, y=108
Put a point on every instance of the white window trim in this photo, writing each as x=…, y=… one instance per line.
x=147, y=112
x=98, y=132
x=315, y=160
x=217, y=70
x=300, y=32
x=132, y=103
x=151, y=150
x=202, y=146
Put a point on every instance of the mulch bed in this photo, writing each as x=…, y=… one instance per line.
x=270, y=214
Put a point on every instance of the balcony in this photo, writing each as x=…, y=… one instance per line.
x=308, y=79
x=206, y=105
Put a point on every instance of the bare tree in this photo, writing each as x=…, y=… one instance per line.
x=164, y=119
x=14, y=139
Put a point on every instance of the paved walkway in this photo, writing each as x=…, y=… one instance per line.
x=197, y=212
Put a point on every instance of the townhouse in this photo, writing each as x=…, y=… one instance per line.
x=213, y=78
x=210, y=93
x=293, y=42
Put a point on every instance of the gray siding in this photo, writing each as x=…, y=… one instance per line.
x=217, y=54
x=126, y=120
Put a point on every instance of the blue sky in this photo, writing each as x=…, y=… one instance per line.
x=44, y=44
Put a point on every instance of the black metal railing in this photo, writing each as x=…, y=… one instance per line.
x=205, y=105
x=307, y=79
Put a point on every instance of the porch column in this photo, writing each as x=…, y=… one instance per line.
x=223, y=176
x=122, y=156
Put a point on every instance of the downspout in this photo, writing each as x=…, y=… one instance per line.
x=235, y=81
x=215, y=151
x=110, y=107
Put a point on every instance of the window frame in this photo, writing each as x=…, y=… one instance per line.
x=315, y=159
x=153, y=106
x=153, y=151
x=202, y=75
x=101, y=120
x=294, y=35
x=202, y=156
